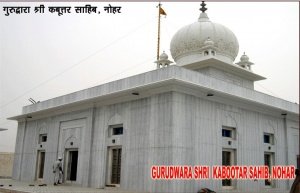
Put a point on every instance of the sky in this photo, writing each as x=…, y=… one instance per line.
x=45, y=55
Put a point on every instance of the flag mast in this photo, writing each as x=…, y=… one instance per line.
x=160, y=12
x=158, y=34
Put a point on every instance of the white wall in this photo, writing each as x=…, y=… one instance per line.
x=163, y=129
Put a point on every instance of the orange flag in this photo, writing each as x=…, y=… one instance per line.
x=161, y=11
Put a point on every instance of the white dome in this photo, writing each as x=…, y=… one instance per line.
x=208, y=42
x=244, y=58
x=163, y=56
x=190, y=42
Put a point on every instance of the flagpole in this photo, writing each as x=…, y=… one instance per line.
x=158, y=34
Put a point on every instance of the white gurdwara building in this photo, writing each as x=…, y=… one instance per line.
x=201, y=111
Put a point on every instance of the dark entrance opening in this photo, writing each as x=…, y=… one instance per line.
x=72, y=165
x=226, y=161
x=116, y=166
x=40, y=164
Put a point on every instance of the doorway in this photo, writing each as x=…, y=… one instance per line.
x=228, y=159
x=114, y=166
x=40, y=165
x=71, y=164
x=269, y=161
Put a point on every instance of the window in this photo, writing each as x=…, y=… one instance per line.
x=205, y=53
x=269, y=161
x=269, y=138
x=228, y=159
x=228, y=132
x=213, y=53
x=117, y=130
x=42, y=138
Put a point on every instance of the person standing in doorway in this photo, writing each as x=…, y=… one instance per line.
x=58, y=172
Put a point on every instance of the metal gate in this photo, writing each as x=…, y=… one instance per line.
x=116, y=166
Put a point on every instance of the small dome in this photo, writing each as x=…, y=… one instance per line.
x=163, y=56
x=245, y=63
x=189, y=43
x=244, y=58
x=163, y=60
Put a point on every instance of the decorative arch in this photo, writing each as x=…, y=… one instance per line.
x=71, y=142
x=270, y=127
x=230, y=121
x=42, y=128
x=271, y=130
x=115, y=119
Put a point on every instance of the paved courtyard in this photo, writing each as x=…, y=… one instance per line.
x=23, y=187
